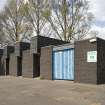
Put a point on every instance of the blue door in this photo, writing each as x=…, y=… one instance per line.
x=63, y=64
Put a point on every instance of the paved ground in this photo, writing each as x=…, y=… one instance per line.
x=20, y=91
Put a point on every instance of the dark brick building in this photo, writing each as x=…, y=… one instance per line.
x=31, y=59
x=40, y=41
x=16, y=58
x=8, y=50
x=47, y=60
x=2, y=72
x=90, y=70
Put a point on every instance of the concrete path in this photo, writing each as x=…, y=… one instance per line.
x=22, y=91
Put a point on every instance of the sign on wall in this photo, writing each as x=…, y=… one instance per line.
x=92, y=56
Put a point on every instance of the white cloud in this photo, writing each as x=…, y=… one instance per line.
x=100, y=30
x=97, y=7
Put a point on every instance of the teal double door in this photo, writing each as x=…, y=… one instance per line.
x=63, y=64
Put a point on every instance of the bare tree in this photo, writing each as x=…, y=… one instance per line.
x=13, y=21
x=69, y=19
x=35, y=17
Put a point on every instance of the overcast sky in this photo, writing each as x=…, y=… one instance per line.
x=97, y=7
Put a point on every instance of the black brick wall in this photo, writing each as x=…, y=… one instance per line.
x=101, y=61
x=1, y=52
x=19, y=66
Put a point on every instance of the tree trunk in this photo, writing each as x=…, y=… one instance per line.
x=38, y=18
x=16, y=24
x=65, y=20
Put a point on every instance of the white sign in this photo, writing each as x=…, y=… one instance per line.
x=92, y=56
